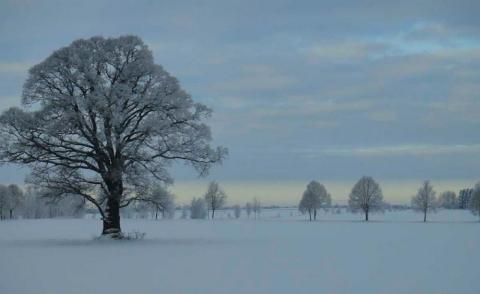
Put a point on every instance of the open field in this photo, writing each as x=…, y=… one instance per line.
x=279, y=253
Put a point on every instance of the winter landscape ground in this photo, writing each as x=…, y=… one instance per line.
x=279, y=253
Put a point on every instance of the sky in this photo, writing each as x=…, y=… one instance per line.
x=301, y=90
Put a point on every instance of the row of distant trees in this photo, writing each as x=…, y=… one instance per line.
x=156, y=201
x=367, y=197
x=215, y=199
x=36, y=203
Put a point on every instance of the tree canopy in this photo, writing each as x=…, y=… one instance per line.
x=99, y=117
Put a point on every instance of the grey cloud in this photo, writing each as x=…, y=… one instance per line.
x=397, y=150
x=281, y=75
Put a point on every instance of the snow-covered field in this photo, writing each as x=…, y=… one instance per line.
x=279, y=253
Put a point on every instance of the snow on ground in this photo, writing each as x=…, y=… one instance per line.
x=279, y=253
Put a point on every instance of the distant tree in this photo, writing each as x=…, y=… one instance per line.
x=4, y=201
x=237, y=211
x=161, y=200
x=69, y=206
x=198, y=209
x=425, y=200
x=40, y=203
x=314, y=197
x=215, y=197
x=141, y=209
x=61, y=204
x=256, y=207
x=184, y=212
x=366, y=196
x=474, y=203
x=448, y=200
x=248, y=208
x=34, y=206
x=100, y=115
x=464, y=198
x=15, y=198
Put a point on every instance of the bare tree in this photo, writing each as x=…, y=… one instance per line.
x=15, y=198
x=38, y=203
x=474, y=203
x=34, y=205
x=366, y=196
x=198, y=209
x=184, y=214
x=448, y=200
x=425, y=200
x=256, y=207
x=99, y=117
x=237, y=211
x=4, y=200
x=314, y=197
x=248, y=209
x=215, y=197
x=161, y=200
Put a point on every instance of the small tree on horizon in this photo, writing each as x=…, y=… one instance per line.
x=448, y=200
x=248, y=209
x=198, y=209
x=215, y=197
x=314, y=197
x=366, y=196
x=15, y=198
x=256, y=207
x=237, y=210
x=425, y=200
x=4, y=200
x=474, y=203
x=161, y=200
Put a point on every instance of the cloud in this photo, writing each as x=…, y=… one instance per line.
x=291, y=75
x=316, y=106
x=350, y=50
x=257, y=77
x=14, y=67
x=431, y=32
x=383, y=116
x=397, y=150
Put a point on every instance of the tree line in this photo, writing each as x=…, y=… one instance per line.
x=33, y=202
x=366, y=196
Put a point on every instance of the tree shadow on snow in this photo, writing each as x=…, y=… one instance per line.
x=95, y=242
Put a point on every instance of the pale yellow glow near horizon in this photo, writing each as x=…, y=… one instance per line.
x=289, y=192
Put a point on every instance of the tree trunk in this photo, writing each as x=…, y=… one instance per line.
x=366, y=215
x=156, y=213
x=314, y=214
x=111, y=221
x=424, y=216
x=213, y=213
x=11, y=213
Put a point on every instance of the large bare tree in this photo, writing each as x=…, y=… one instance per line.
x=367, y=196
x=100, y=119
